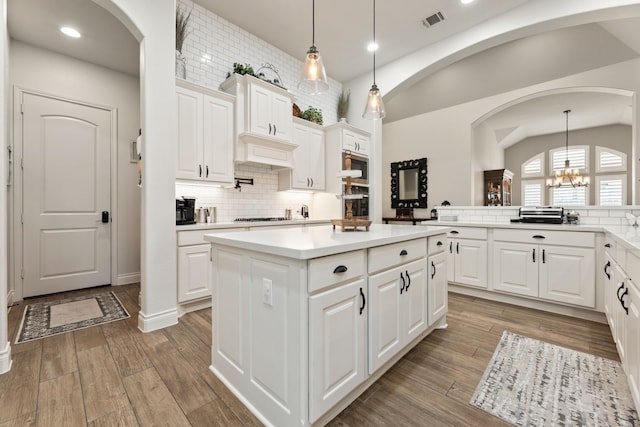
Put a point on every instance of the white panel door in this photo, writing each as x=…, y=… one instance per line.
x=260, y=110
x=281, y=116
x=218, y=139
x=438, y=287
x=66, y=187
x=471, y=262
x=189, y=162
x=515, y=268
x=385, y=317
x=194, y=272
x=632, y=338
x=316, y=158
x=337, y=351
x=300, y=172
x=567, y=274
x=415, y=306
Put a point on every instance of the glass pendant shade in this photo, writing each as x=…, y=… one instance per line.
x=313, y=79
x=374, y=109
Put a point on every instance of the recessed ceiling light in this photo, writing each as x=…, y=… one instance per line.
x=466, y=1
x=71, y=32
x=372, y=46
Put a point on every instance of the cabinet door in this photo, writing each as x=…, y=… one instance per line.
x=438, y=292
x=385, y=311
x=218, y=140
x=189, y=147
x=608, y=286
x=281, y=116
x=632, y=339
x=194, y=272
x=349, y=140
x=414, y=303
x=471, y=262
x=451, y=260
x=315, y=147
x=618, y=313
x=300, y=172
x=362, y=145
x=337, y=351
x=515, y=268
x=567, y=275
x=260, y=110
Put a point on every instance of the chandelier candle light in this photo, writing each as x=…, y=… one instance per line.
x=313, y=79
x=568, y=176
x=375, y=107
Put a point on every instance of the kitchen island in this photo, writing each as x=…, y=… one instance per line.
x=304, y=320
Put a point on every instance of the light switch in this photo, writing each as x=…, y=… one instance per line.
x=267, y=291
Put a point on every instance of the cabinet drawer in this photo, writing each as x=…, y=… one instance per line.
x=545, y=237
x=633, y=267
x=436, y=244
x=334, y=269
x=196, y=237
x=383, y=257
x=468, y=233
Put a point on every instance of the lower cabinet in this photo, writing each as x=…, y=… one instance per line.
x=337, y=349
x=438, y=286
x=467, y=256
x=397, y=310
x=194, y=272
x=550, y=271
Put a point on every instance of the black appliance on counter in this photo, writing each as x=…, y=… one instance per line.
x=541, y=215
x=185, y=211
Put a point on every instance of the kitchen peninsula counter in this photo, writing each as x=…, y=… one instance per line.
x=306, y=319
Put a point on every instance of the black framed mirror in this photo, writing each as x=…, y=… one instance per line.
x=409, y=184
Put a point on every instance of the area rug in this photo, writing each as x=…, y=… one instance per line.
x=45, y=319
x=530, y=382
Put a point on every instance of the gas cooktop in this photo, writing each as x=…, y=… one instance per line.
x=271, y=218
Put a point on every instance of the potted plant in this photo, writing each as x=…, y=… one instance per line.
x=182, y=31
x=343, y=105
x=312, y=114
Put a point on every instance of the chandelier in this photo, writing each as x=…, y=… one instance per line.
x=568, y=176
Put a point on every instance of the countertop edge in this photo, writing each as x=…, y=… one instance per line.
x=245, y=224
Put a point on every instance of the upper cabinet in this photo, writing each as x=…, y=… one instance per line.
x=349, y=138
x=264, y=121
x=205, y=134
x=308, y=159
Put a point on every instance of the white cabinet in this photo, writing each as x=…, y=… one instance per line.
x=338, y=138
x=467, y=256
x=194, y=272
x=437, y=280
x=561, y=271
x=205, y=134
x=632, y=337
x=337, y=345
x=308, y=159
x=355, y=142
x=397, y=310
x=263, y=121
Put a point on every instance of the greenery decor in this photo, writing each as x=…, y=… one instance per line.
x=243, y=69
x=343, y=104
x=182, y=28
x=312, y=114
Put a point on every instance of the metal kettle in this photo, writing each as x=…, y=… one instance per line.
x=201, y=215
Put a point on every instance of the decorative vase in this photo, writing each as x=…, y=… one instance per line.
x=181, y=65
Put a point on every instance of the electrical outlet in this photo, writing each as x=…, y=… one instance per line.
x=267, y=291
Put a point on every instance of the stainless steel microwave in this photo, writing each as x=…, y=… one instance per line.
x=360, y=163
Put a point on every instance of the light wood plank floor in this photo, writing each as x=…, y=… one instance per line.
x=114, y=375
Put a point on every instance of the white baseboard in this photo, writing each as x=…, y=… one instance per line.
x=150, y=323
x=5, y=359
x=128, y=278
x=188, y=307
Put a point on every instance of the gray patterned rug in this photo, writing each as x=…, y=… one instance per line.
x=45, y=319
x=533, y=383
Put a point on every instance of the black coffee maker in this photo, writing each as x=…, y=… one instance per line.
x=185, y=211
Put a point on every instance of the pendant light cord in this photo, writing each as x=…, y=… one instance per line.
x=375, y=47
x=566, y=113
x=313, y=23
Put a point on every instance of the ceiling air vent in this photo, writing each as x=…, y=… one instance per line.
x=433, y=19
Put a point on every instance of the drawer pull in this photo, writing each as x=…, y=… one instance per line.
x=534, y=255
x=607, y=266
x=618, y=291
x=403, y=252
x=364, y=301
x=544, y=260
x=339, y=269
x=439, y=243
x=626, y=308
x=607, y=245
x=408, y=279
x=433, y=270
x=403, y=283
x=450, y=247
x=457, y=247
x=454, y=232
x=539, y=236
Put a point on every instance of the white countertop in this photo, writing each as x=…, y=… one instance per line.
x=244, y=224
x=628, y=235
x=314, y=242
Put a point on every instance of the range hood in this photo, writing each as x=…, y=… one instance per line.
x=253, y=148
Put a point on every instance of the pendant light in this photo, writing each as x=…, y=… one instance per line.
x=567, y=176
x=375, y=107
x=313, y=79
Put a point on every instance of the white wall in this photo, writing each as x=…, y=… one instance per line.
x=445, y=136
x=5, y=347
x=45, y=71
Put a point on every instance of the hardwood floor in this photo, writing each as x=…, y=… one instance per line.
x=114, y=375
